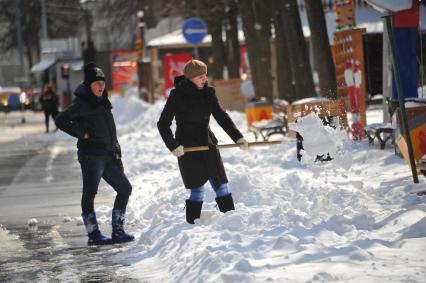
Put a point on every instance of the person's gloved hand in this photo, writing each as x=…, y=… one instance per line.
x=119, y=162
x=242, y=142
x=178, y=152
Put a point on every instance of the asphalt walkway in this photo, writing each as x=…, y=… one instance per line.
x=40, y=181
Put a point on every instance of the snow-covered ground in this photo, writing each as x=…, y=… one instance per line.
x=349, y=220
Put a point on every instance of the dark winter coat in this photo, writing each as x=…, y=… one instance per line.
x=192, y=109
x=49, y=102
x=87, y=115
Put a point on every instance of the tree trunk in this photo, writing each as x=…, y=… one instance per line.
x=286, y=88
x=232, y=42
x=321, y=49
x=30, y=34
x=218, y=49
x=297, y=51
x=257, y=31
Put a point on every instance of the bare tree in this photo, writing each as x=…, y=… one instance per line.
x=63, y=20
x=212, y=12
x=30, y=27
x=256, y=18
x=285, y=80
x=297, y=50
x=119, y=11
x=232, y=43
x=63, y=17
x=321, y=49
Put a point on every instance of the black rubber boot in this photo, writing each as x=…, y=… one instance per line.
x=225, y=203
x=299, y=146
x=193, y=210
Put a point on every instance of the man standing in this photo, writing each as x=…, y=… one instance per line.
x=89, y=119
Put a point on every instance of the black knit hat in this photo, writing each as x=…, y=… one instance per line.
x=92, y=73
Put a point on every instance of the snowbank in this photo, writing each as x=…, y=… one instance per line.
x=294, y=222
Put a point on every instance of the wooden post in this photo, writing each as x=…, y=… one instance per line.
x=404, y=123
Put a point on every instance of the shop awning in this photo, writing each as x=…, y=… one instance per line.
x=42, y=65
x=76, y=66
x=390, y=5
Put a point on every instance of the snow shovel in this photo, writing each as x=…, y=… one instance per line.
x=229, y=145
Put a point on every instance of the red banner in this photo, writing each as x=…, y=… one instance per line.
x=124, y=70
x=173, y=67
x=407, y=18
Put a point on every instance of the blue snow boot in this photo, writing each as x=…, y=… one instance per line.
x=95, y=236
x=225, y=203
x=118, y=234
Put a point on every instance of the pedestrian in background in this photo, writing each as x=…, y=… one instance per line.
x=191, y=103
x=89, y=119
x=49, y=102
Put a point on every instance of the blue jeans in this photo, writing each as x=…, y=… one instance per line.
x=197, y=194
x=102, y=165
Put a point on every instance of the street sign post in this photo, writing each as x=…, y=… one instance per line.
x=194, y=30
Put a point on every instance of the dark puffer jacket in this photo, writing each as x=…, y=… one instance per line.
x=192, y=109
x=87, y=115
x=49, y=102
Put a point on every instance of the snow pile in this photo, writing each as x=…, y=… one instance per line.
x=127, y=109
x=10, y=244
x=294, y=222
x=322, y=140
x=32, y=222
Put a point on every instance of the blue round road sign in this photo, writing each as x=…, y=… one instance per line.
x=194, y=30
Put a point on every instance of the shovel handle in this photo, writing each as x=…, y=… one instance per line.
x=229, y=145
x=195, y=148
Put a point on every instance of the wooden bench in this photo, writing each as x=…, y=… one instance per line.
x=276, y=126
x=268, y=128
x=382, y=132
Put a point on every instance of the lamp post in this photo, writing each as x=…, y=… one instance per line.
x=139, y=43
x=18, y=24
x=89, y=53
x=144, y=68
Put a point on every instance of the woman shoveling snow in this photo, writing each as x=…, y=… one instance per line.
x=191, y=103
